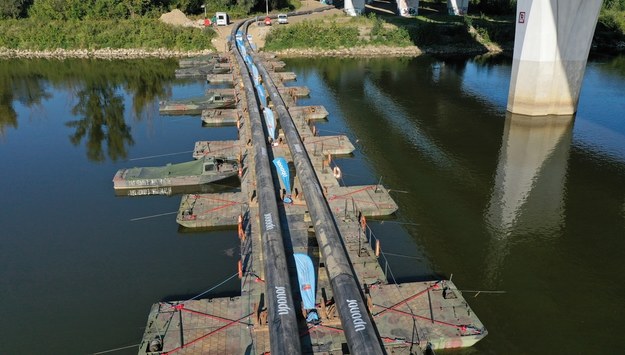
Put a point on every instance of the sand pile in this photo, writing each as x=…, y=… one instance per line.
x=177, y=18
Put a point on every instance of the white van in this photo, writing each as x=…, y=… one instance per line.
x=222, y=19
x=283, y=18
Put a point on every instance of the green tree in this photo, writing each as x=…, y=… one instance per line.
x=13, y=8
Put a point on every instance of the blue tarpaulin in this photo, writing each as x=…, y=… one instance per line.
x=306, y=280
x=283, y=170
x=261, y=95
x=270, y=122
x=255, y=74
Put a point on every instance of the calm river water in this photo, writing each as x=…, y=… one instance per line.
x=535, y=208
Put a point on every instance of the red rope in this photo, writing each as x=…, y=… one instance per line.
x=206, y=335
x=407, y=299
x=461, y=327
x=210, y=315
x=334, y=197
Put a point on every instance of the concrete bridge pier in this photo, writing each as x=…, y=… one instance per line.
x=458, y=7
x=551, y=45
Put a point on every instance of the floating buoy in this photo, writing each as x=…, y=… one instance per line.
x=377, y=248
x=336, y=172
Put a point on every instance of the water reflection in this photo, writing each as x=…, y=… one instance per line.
x=528, y=194
x=96, y=86
x=28, y=90
x=101, y=113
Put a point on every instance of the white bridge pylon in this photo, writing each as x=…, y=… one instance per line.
x=551, y=45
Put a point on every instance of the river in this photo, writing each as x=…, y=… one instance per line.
x=534, y=208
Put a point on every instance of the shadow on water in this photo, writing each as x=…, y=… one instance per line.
x=437, y=31
x=96, y=86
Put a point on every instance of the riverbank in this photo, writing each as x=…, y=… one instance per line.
x=323, y=32
x=106, y=53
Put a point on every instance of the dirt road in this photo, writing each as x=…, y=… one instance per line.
x=259, y=30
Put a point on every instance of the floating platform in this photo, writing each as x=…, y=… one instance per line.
x=283, y=76
x=227, y=148
x=442, y=316
x=195, y=106
x=335, y=145
x=210, y=210
x=220, y=78
x=225, y=92
x=309, y=113
x=294, y=91
x=409, y=317
x=275, y=65
x=221, y=117
x=201, y=71
x=215, y=326
x=202, y=60
x=370, y=200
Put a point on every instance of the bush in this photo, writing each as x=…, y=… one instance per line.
x=613, y=20
x=140, y=33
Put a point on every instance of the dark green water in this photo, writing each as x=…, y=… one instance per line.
x=536, y=209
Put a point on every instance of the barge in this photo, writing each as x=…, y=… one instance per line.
x=197, y=172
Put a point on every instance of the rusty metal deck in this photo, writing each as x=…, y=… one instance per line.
x=221, y=117
x=309, y=113
x=220, y=78
x=294, y=91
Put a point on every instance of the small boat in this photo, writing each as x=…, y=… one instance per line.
x=195, y=106
x=202, y=171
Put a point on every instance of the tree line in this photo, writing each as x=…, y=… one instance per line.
x=121, y=9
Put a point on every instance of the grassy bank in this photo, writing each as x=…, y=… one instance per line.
x=337, y=32
x=146, y=33
x=433, y=31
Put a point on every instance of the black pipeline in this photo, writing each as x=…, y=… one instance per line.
x=282, y=321
x=358, y=326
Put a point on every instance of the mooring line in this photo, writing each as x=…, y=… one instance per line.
x=152, y=216
x=116, y=349
x=161, y=155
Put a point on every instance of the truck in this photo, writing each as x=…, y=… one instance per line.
x=221, y=18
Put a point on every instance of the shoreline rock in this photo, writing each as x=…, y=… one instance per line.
x=104, y=53
x=364, y=52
